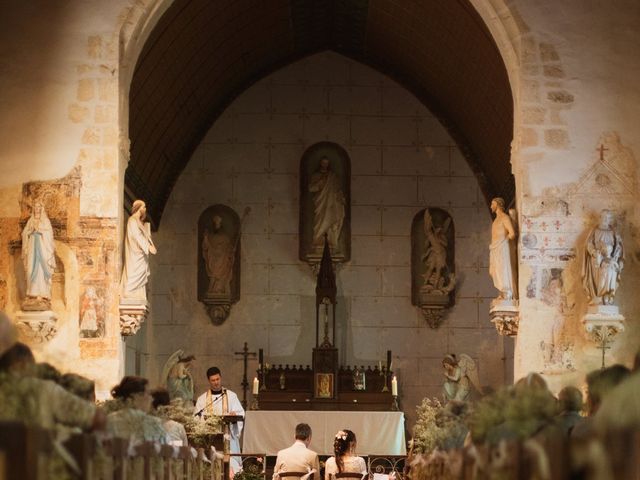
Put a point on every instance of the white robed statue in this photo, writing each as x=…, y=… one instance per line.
x=328, y=205
x=502, y=252
x=137, y=247
x=38, y=257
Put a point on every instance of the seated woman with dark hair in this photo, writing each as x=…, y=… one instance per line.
x=345, y=458
x=133, y=422
x=176, y=433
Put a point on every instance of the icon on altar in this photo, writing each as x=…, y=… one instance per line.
x=324, y=385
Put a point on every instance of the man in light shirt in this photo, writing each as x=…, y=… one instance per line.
x=298, y=457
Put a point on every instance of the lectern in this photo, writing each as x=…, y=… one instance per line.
x=227, y=421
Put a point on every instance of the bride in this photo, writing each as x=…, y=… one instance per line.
x=344, y=459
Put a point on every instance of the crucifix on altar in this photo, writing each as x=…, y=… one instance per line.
x=245, y=353
x=325, y=355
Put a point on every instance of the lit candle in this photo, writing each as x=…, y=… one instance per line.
x=379, y=365
x=394, y=386
x=256, y=385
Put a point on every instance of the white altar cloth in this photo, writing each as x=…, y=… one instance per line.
x=378, y=433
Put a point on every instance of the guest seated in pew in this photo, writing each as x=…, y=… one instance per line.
x=298, y=457
x=134, y=422
x=176, y=433
x=620, y=409
x=570, y=404
x=345, y=458
x=599, y=384
x=525, y=411
x=79, y=386
x=40, y=402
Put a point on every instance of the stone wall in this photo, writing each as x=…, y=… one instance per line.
x=575, y=138
x=401, y=161
x=61, y=143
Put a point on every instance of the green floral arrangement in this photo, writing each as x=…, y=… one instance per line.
x=512, y=413
x=439, y=426
x=17, y=399
x=252, y=472
x=199, y=432
x=113, y=405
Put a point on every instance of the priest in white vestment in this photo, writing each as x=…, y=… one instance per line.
x=221, y=401
x=137, y=247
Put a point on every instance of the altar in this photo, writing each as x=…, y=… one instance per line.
x=378, y=433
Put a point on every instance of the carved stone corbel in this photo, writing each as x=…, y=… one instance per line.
x=505, y=315
x=602, y=323
x=37, y=326
x=218, y=311
x=131, y=317
x=433, y=315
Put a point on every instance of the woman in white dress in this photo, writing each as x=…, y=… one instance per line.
x=345, y=458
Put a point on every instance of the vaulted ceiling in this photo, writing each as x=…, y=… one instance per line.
x=204, y=53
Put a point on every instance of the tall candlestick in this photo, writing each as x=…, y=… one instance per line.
x=388, y=360
x=256, y=386
x=261, y=357
x=394, y=386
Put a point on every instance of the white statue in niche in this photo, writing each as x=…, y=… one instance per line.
x=329, y=205
x=502, y=252
x=603, y=261
x=219, y=257
x=435, y=256
x=137, y=247
x=38, y=257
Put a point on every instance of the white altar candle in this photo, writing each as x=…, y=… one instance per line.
x=256, y=385
x=394, y=386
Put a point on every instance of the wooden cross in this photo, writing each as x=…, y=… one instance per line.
x=602, y=149
x=245, y=384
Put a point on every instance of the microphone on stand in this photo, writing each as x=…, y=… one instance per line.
x=212, y=402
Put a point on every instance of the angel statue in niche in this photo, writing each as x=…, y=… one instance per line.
x=461, y=375
x=176, y=374
x=437, y=278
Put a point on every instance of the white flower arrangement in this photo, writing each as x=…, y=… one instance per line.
x=341, y=435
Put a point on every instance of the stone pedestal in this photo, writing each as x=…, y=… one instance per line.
x=218, y=307
x=37, y=326
x=433, y=304
x=132, y=314
x=602, y=323
x=505, y=315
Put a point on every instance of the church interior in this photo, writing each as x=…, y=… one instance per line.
x=413, y=221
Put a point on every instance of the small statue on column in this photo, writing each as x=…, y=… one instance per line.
x=38, y=257
x=602, y=265
x=503, y=268
x=135, y=273
x=603, y=261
